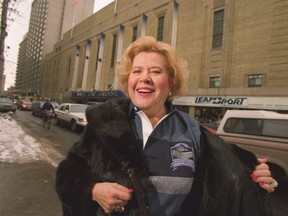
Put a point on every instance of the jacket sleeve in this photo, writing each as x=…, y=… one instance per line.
x=222, y=184
x=74, y=179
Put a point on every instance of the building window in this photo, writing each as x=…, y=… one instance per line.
x=218, y=27
x=113, y=55
x=214, y=82
x=134, y=33
x=69, y=66
x=255, y=80
x=77, y=50
x=144, y=25
x=160, y=30
x=97, y=55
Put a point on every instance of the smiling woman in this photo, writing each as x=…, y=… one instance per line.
x=142, y=156
x=148, y=84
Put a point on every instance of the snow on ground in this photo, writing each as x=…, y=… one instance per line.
x=16, y=146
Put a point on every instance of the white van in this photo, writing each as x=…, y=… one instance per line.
x=265, y=133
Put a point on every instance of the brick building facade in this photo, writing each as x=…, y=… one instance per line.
x=234, y=49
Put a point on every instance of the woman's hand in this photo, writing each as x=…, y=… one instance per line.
x=262, y=175
x=112, y=197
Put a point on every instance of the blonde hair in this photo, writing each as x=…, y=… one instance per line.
x=177, y=67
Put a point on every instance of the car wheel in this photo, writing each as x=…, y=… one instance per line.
x=73, y=125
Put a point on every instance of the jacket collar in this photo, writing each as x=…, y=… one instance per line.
x=133, y=109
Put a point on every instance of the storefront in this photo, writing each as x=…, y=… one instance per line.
x=211, y=108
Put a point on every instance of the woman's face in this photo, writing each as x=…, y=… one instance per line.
x=148, y=82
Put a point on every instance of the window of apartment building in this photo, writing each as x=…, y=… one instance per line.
x=160, y=30
x=214, y=82
x=97, y=55
x=144, y=25
x=255, y=80
x=218, y=28
x=134, y=33
x=69, y=66
x=77, y=50
x=113, y=55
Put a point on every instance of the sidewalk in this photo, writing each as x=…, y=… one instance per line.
x=28, y=189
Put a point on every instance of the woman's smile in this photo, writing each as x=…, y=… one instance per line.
x=148, y=83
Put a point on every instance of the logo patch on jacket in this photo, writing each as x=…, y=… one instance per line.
x=182, y=155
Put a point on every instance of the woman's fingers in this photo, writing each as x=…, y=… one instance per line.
x=111, y=196
x=267, y=187
x=262, y=176
x=263, y=160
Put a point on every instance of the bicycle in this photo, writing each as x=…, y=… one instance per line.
x=47, y=118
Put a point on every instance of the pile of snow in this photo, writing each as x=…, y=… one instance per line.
x=16, y=146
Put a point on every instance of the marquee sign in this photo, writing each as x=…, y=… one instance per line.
x=97, y=94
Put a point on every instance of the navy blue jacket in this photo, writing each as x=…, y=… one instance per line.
x=48, y=106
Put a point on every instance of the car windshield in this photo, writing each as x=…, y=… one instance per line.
x=54, y=104
x=78, y=108
x=6, y=100
x=26, y=102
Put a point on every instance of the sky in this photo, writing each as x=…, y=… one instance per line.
x=17, y=27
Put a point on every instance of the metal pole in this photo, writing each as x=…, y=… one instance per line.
x=3, y=34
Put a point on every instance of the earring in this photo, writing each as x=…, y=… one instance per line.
x=169, y=98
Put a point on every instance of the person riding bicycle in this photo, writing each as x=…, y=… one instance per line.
x=47, y=108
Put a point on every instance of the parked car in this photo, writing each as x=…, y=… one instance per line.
x=212, y=126
x=37, y=106
x=72, y=114
x=54, y=104
x=7, y=105
x=265, y=133
x=24, y=105
x=94, y=102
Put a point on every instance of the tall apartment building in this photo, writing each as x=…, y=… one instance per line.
x=49, y=20
x=21, y=67
x=236, y=52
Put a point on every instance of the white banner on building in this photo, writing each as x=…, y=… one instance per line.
x=268, y=103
